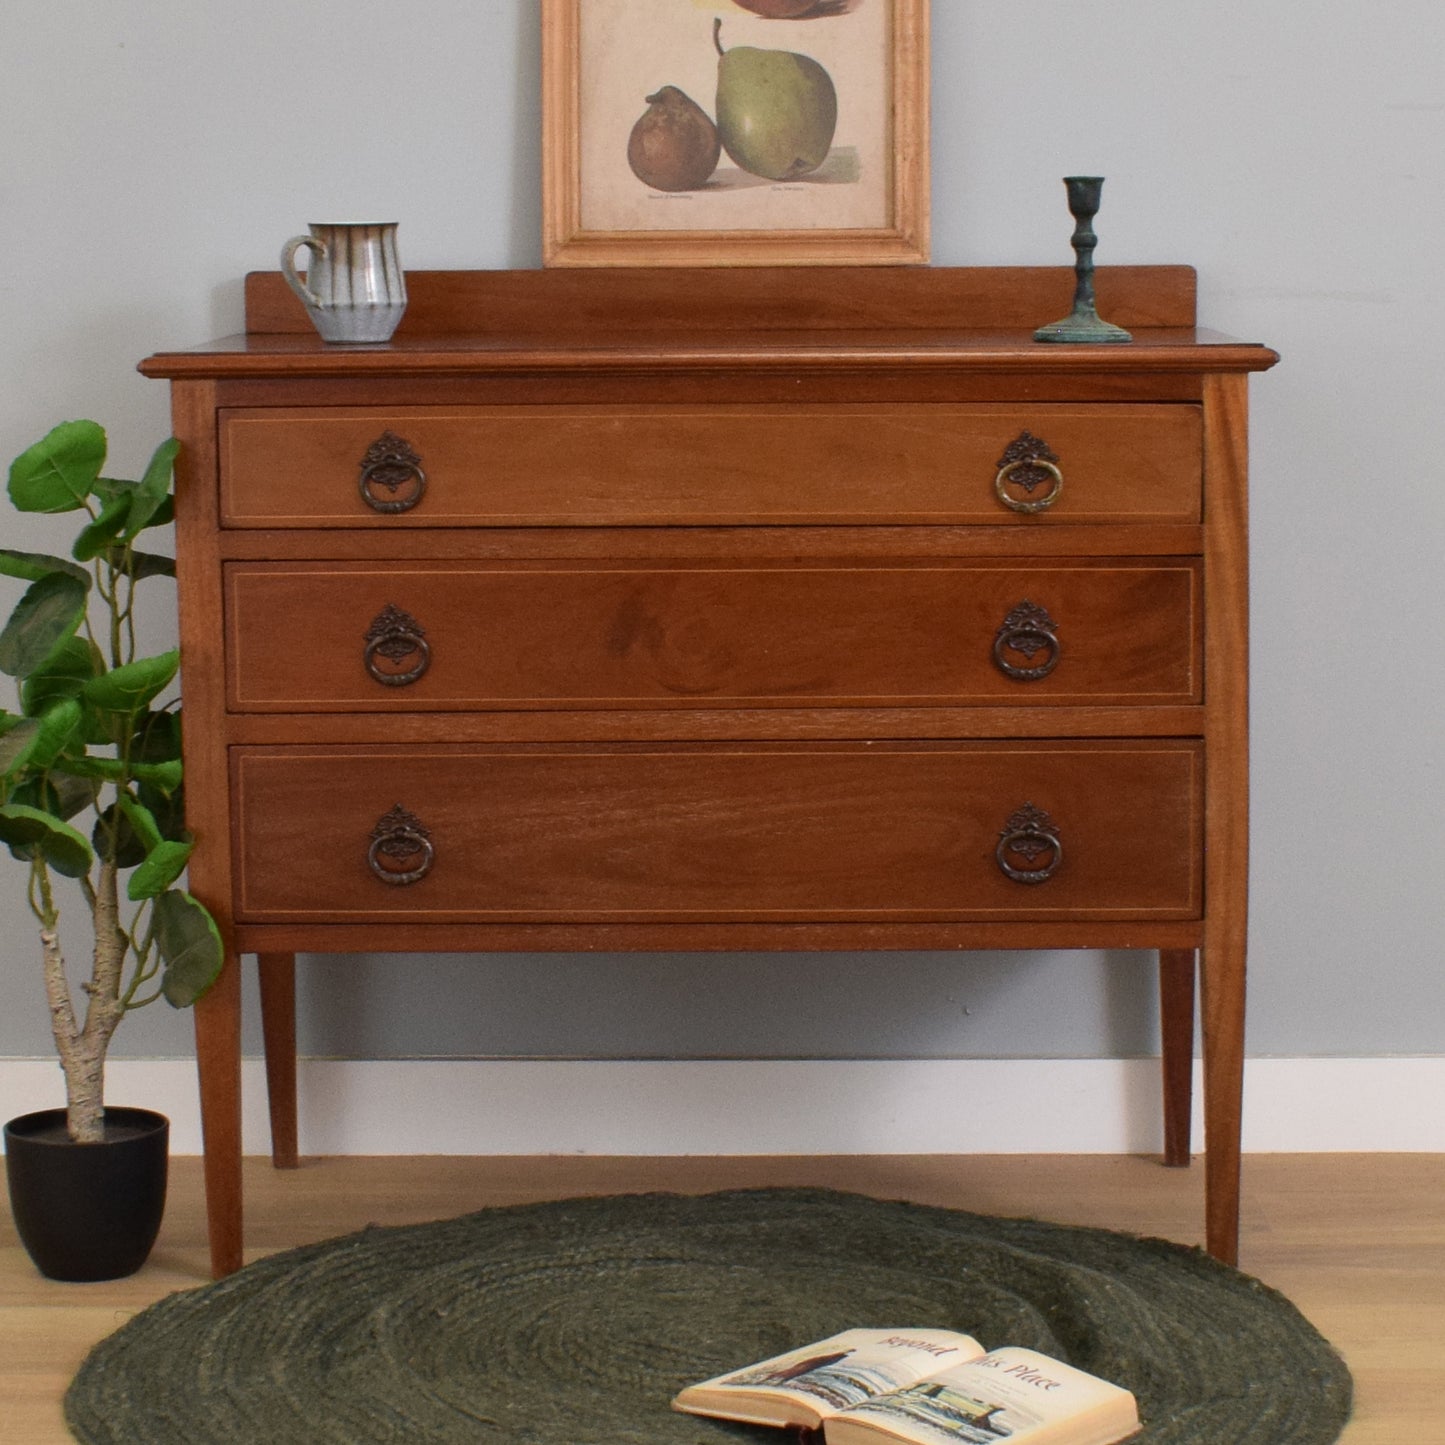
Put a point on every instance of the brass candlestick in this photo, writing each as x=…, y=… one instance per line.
x=1083, y=323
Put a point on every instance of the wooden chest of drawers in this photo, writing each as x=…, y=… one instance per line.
x=754, y=609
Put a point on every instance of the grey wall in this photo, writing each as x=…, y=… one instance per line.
x=155, y=150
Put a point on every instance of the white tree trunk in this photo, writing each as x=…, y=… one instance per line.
x=83, y=1049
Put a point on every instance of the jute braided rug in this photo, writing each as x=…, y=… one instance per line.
x=574, y=1323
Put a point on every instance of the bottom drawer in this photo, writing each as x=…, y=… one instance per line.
x=724, y=832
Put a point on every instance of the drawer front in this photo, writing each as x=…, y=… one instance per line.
x=405, y=636
x=696, y=832
x=726, y=464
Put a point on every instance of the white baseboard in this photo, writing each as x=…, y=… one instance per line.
x=920, y=1106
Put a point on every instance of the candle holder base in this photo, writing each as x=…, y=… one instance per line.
x=1082, y=326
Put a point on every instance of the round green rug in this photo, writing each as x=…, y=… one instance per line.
x=574, y=1323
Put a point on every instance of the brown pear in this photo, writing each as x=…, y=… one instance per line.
x=674, y=146
x=777, y=9
x=793, y=9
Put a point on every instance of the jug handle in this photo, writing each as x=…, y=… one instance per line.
x=288, y=266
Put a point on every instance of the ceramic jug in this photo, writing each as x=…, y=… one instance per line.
x=354, y=290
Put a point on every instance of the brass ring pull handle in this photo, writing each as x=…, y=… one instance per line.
x=394, y=636
x=401, y=837
x=1011, y=470
x=1027, y=462
x=1029, y=834
x=1027, y=630
x=391, y=463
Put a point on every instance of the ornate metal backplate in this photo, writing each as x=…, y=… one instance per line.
x=1029, y=834
x=396, y=635
x=1023, y=457
x=391, y=463
x=400, y=835
x=1028, y=630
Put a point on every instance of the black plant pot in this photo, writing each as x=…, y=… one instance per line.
x=88, y=1211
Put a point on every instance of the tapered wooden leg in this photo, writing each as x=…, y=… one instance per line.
x=1222, y=975
x=278, y=1026
x=1226, y=801
x=1176, y=1029
x=218, y=1060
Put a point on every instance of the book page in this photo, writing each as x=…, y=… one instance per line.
x=1009, y=1394
x=810, y=1383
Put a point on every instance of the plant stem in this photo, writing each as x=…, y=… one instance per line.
x=63, y=1028
x=84, y=1063
x=113, y=600
x=128, y=612
x=145, y=967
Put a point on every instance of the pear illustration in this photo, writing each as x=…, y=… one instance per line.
x=779, y=9
x=796, y=9
x=776, y=110
x=673, y=146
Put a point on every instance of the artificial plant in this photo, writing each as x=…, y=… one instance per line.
x=92, y=739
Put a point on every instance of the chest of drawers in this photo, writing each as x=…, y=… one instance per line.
x=752, y=609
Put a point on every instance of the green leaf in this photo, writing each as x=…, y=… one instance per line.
x=157, y=741
x=168, y=809
x=190, y=943
x=63, y=675
x=100, y=729
x=52, y=793
x=98, y=534
x=142, y=820
x=17, y=743
x=165, y=776
x=154, y=489
x=129, y=687
x=107, y=487
x=32, y=566
x=109, y=770
x=114, y=839
x=60, y=728
x=59, y=472
x=50, y=611
x=64, y=849
x=162, y=866
x=157, y=737
x=139, y=565
x=155, y=766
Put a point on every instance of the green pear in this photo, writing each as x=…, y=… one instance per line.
x=776, y=110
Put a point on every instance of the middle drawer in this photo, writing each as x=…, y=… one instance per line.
x=380, y=637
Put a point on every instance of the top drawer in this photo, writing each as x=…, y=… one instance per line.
x=710, y=465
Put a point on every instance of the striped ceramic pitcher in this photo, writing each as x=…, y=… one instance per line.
x=354, y=289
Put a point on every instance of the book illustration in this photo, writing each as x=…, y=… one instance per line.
x=815, y=1382
x=838, y=1379
x=952, y=1414
x=1008, y=1394
x=785, y=1369
x=923, y=1387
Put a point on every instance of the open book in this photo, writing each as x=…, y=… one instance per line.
x=869, y=1387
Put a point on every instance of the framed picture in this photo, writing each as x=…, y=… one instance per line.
x=734, y=132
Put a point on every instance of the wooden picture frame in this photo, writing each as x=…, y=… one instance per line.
x=866, y=203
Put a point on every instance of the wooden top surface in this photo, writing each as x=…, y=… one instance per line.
x=641, y=319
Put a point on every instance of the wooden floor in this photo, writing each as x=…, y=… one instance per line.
x=1356, y=1240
